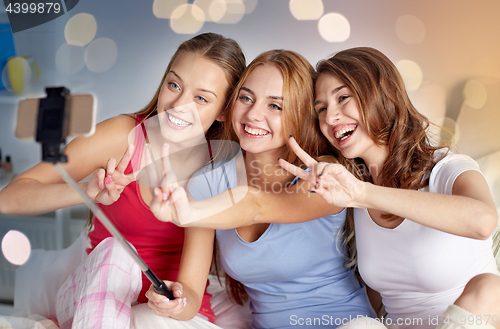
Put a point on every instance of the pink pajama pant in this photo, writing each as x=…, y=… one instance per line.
x=101, y=291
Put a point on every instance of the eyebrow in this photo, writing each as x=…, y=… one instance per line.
x=270, y=97
x=200, y=89
x=336, y=90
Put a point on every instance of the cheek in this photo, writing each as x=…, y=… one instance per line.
x=324, y=128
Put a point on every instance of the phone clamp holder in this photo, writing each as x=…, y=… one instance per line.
x=52, y=124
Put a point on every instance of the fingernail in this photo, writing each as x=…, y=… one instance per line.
x=180, y=300
x=166, y=300
x=165, y=196
x=102, y=186
x=166, y=203
x=155, y=191
x=108, y=179
x=311, y=191
x=180, y=292
x=185, y=302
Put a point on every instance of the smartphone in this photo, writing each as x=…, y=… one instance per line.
x=81, y=116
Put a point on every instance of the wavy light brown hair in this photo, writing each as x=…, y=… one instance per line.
x=390, y=119
x=224, y=52
x=297, y=113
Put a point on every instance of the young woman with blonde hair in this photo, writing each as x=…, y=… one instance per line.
x=203, y=72
x=293, y=274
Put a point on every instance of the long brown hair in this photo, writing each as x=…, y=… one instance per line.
x=390, y=119
x=297, y=113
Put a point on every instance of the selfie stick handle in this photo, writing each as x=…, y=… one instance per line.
x=158, y=285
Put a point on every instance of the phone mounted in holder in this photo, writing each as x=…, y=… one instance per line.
x=52, y=124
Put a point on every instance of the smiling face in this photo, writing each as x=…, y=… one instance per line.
x=340, y=119
x=191, y=98
x=257, y=114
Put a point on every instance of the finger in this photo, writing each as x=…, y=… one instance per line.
x=122, y=165
x=306, y=158
x=297, y=171
x=110, y=167
x=100, y=178
x=177, y=289
x=153, y=178
x=157, y=298
x=157, y=201
x=111, y=188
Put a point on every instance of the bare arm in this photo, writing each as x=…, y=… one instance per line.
x=468, y=212
x=251, y=205
x=41, y=189
x=192, y=278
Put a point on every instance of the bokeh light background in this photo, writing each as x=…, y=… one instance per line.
x=448, y=52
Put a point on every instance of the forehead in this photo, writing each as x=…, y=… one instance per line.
x=199, y=71
x=327, y=82
x=266, y=79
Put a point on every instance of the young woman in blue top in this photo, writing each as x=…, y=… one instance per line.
x=293, y=274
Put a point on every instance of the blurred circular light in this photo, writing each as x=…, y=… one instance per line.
x=217, y=10
x=452, y=126
x=205, y=6
x=70, y=59
x=334, y=27
x=80, y=29
x=187, y=19
x=306, y=9
x=475, y=94
x=101, y=55
x=411, y=73
x=235, y=10
x=250, y=5
x=165, y=8
x=410, y=29
x=16, y=247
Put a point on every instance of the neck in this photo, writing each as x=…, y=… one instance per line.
x=264, y=171
x=375, y=159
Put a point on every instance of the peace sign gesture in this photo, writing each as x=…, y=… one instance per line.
x=332, y=181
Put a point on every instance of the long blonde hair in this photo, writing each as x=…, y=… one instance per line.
x=298, y=112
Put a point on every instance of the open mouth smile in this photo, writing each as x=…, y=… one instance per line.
x=177, y=122
x=345, y=132
x=255, y=131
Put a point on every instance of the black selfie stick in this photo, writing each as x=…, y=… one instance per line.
x=52, y=130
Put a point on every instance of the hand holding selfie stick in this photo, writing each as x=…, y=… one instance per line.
x=52, y=129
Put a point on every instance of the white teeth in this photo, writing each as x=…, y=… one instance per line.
x=177, y=122
x=344, y=130
x=257, y=132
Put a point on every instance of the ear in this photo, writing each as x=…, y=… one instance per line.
x=221, y=118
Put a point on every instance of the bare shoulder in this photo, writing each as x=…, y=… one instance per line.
x=110, y=137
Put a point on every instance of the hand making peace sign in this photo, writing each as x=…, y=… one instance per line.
x=332, y=181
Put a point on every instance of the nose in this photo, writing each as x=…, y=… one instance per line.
x=180, y=102
x=333, y=114
x=256, y=112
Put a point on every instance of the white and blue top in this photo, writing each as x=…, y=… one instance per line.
x=293, y=273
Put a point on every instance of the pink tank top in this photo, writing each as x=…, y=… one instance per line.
x=158, y=243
